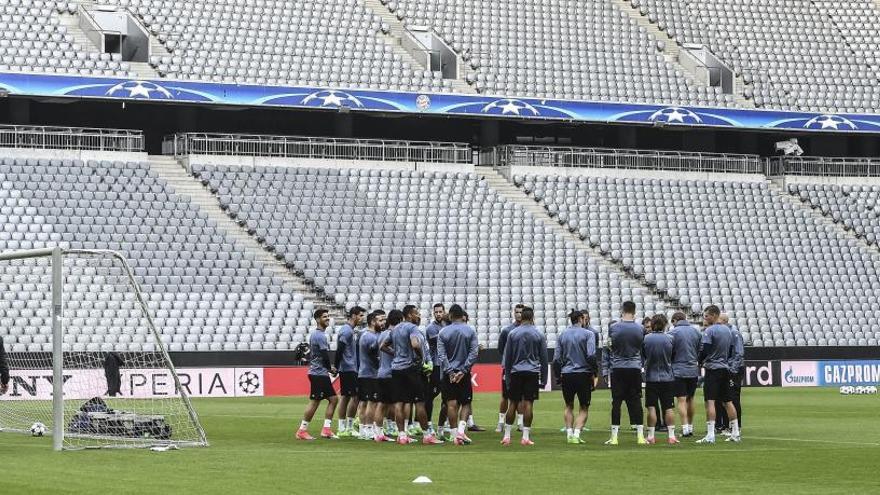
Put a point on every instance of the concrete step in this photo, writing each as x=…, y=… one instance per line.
x=672, y=50
x=510, y=192
x=394, y=38
x=186, y=185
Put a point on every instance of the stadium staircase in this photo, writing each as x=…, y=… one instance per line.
x=394, y=38
x=143, y=69
x=672, y=50
x=507, y=190
x=185, y=184
x=820, y=216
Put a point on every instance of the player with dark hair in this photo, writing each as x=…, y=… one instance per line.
x=407, y=373
x=717, y=342
x=4, y=369
x=457, y=350
x=383, y=377
x=346, y=363
x=502, y=340
x=368, y=364
x=624, y=363
x=657, y=350
x=574, y=362
x=320, y=370
x=685, y=368
x=525, y=366
x=435, y=379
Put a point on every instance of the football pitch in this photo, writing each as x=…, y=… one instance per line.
x=795, y=441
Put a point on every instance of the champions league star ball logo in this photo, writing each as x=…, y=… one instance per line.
x=332, y=98
x=675, y=115
x=249, y=382
x=833, y=122
x=139, y=89
x=509, y=106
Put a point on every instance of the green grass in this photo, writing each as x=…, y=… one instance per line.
x=795, y=441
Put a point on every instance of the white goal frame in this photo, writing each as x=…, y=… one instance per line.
x=57, y=262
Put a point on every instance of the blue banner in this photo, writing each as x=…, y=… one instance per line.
x=833, y=373
x=429, y=103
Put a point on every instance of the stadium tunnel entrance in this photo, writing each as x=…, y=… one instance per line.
x=158, y=120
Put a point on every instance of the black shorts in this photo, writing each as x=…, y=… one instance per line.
x=577, y=384
x=626, y=383
x=505, y=394
x=320, y=387
x=735, y=384
x=716, y=385
x=409, y=385
x=435, y=383
x=685, y=387
x=368, y=390
x=461, y=392
x=386, y=390
x=661, y=392
x=523, y=386
x=349, y=384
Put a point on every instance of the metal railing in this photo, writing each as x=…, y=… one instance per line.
x=536, y=156
x=316, y=147
x=826, y=167
x=71, y=138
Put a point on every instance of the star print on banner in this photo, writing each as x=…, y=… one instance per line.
x=508, y=106
x=833, y=122
x=139, y=89
x=332, y=98
x=675, y=115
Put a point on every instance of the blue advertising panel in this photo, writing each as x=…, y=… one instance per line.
x=167, y=90
x=834, y=373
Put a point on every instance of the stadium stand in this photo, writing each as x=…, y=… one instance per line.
x=33, y=40
x=788, y=278
x=853, y=206
x=791, y=53
x=565, y=48
x=328, y=43
x=421, y=237
x=814, y=56
x=206, y=293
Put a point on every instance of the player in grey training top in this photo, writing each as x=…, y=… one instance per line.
x=714, y=354
x=434, y=381
x=457, y=350
x=657, y=351
x=574, y=362
x=525, y=366
x=502, y=341
x=736, y=368
x=368, y=366
x=346, y=363
x=625, y=368
x=320, y=370
x=686, y=368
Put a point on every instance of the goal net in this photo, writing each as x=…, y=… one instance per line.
x=86, y=360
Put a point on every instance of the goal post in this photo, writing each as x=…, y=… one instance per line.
x=67, y=369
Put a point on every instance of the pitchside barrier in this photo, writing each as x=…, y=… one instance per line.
x=281, y=381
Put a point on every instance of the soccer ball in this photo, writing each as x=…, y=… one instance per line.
x=846, y=390
x=860, y=390
x=871, y=389
x=38, y=429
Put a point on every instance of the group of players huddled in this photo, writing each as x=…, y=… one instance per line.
x=391, y=372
